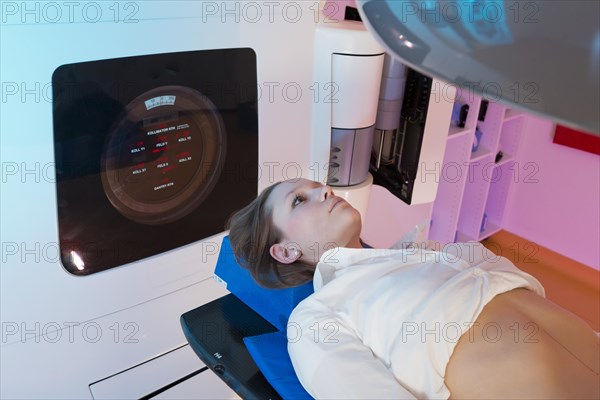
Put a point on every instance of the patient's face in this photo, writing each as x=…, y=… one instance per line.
x=311, y=216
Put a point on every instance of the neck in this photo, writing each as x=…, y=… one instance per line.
x=354, y=243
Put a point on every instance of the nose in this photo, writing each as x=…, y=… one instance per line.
x=326, y=192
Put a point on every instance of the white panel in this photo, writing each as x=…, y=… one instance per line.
x=431, y=159
x=65, y=362
x=355, y=92
x=283, y=39
x=204, y=386
x=149, y=376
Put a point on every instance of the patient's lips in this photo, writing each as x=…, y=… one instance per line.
x=335, y=200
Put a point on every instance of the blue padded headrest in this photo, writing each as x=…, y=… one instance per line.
x=270, y=353
x=274, y=305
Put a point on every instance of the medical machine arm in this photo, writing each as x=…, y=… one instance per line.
x=540, y=56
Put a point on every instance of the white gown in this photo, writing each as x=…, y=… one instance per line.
x=383, y=323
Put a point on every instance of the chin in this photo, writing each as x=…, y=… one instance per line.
x=353, y=222
x=356, y=215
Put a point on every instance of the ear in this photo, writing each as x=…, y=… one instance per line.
x=284, y=254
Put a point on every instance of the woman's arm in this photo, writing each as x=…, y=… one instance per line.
x=331, y=362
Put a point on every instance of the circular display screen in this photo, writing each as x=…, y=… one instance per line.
x=163, y=155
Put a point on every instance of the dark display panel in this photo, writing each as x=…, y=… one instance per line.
x=152, y=152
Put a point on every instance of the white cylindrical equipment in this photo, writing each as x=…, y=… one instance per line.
x=355, y=90
x=356, y=80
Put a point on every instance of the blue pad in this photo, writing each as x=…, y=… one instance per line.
x=270, y=353
x=274, y=305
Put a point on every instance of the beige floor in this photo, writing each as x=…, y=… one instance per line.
x=572, y=285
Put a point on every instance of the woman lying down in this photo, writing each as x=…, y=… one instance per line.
x=458, y=322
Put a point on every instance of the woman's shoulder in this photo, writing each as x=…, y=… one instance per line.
x=310, y=311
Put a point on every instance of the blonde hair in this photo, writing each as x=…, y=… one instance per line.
x=252, y=233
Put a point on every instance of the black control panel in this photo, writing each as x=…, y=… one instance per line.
x=152, y=152
x=399, y=178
